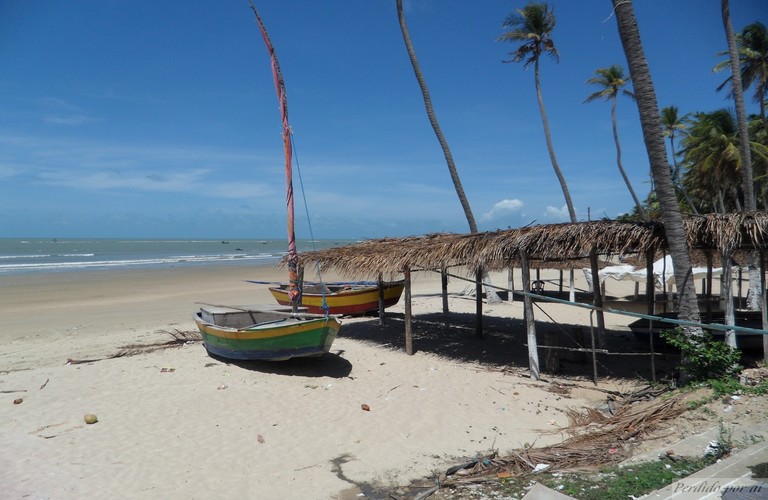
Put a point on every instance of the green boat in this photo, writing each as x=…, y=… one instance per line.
x=264, y=333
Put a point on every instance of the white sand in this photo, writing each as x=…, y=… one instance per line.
x=203, y=428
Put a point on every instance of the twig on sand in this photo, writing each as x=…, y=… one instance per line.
x=385, y=393
x=179, y=338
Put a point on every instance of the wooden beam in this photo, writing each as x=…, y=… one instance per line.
x=408, y=315
x=530, y=324
x=479, y=304
x=381, y=299
x=597, y=297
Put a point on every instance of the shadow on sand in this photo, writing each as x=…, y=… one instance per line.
x=328, y=365
x=504, y=344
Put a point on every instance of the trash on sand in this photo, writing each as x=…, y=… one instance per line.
x=540, y=467
x=167, y=370
x=18, y=401
x=222, y=386
x=260, y=438
x=365, y=407
x=90, y=418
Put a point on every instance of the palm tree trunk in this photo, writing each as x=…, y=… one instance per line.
x=490, y=293
x=676, y=177
x=741, y=115
x=650, y=120
x=746, y=160
x=639, y=205
x=550, y=148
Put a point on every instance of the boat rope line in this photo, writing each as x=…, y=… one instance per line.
x=622, y=312
x=324, y=305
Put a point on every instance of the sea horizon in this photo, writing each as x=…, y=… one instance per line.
x=54, y=255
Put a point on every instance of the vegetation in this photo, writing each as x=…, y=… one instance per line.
x=705, y=357
x=612, y=82
x=531, y=27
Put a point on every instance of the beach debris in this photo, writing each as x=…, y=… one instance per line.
x=222, y=387
x=260, y=439
x=18, y=401
x=365, y=407
x=44, y=384
x=167, y=370
x=541, y=468
x=90, y=418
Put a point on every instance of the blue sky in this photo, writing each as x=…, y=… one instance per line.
x=124, y=118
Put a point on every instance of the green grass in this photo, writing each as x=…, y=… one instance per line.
x=608, y=482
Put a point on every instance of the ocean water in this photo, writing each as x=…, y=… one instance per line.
x=39, y=255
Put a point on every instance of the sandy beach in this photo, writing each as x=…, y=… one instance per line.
x=176, y=423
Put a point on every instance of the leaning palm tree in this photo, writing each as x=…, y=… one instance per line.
x=612, y=81
x=491, y=295
x=737, y=90
x=738, y=96
x=532, y=27
x=650, y=120
x=673, y=124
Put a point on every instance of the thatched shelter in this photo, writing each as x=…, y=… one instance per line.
x=552, y=246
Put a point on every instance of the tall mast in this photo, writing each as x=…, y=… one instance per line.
x=293, y=256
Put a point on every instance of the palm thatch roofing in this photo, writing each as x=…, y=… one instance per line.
x=558, y=246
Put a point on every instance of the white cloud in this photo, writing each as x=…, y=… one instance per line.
x=560, y=214
x=503, y=208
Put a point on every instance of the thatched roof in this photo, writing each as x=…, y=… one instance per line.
x=552, y=245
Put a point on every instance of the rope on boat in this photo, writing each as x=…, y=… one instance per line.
x=324, y=305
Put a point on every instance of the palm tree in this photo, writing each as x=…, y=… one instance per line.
x=612, y=81
x=674, y=123
x=491, y=294
x=737, y=90
x=738, y=96
x=433, y=120
x=712, y=161
x=650, y=120
x=532, y=28
x=753, y=57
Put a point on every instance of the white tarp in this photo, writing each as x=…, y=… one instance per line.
x=662, y=271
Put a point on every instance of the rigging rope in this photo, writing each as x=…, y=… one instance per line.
x=309, y=223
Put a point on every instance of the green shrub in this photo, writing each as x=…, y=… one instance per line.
x=704, y=358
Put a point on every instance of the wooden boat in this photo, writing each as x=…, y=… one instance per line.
x=264, y=333
x=270, y=332
x=742, y=317
x=342, y=298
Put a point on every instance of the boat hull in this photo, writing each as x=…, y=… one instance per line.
x=744, y=340
x=227, y=335
x=343, y=300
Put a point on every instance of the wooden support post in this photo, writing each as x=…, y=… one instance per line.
x=597, y=298
x=530, y=325
x=560, y=289
x=572, y=292
x=730, y=320
x=709, y=285
x=444, y=288
x=479, y=304
x=511, y=284
x=381, y=299
x=408, y=315
x=763, y=305
x=741, y=306
x=650, y=296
